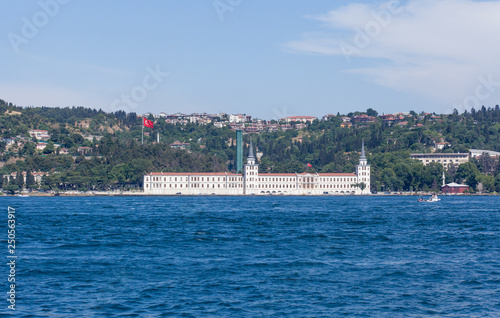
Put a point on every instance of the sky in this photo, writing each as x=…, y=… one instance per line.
x=268, y=59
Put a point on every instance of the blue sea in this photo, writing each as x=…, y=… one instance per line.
x=254, y=257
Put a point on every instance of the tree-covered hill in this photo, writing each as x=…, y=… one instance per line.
x=104, y=150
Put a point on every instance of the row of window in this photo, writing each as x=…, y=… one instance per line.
x=261, y=179
x=195, y=185
x=260, y=186
x=451, y=161
x=175, y=179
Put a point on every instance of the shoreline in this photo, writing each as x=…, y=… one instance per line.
x=141, y=193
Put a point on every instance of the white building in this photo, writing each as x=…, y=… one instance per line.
x=39, y=134
x=478, y=153
x=253, y=183
x=446, y=159
x=238, y=118
x=36, y=175
x=303, y=119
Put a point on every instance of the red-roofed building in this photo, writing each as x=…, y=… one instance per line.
x=253, y=183
x=454, y=188
x=363, y=118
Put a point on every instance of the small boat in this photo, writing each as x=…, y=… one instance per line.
x=433, y=198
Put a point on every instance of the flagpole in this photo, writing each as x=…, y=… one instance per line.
x=142, y=133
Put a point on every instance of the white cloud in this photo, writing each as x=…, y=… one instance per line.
x=436, y=48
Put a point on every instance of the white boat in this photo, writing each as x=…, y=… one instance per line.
x=433, y=198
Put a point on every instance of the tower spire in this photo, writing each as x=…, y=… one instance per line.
x=250, y=153
x=363, y=156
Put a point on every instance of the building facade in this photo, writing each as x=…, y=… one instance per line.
x=36, y=175
x=251, y=182
x=39, y=134
x=474, y=153
x=303, y=119
x=446, y=159
x=454, y=188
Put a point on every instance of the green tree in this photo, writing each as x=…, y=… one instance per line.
x=49, y=148
x=19, y=180
x=371, y=112
x=488, y=182
x=497, y=183
x=469, y=173
x=11, y=188
x=28, y=149
x=30, y=180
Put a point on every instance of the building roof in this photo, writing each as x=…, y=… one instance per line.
x=337, y=174
x=455, y=185
x=214, y=174
x=297, y=117
x=38, y=130
x=442, y=154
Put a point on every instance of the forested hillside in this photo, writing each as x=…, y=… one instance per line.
x=91, y=149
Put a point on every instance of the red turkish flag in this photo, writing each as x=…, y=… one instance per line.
x=309, y=165
x=148, y=123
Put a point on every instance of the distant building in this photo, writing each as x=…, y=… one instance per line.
x=84, y=150
x=251, y=129
x=441, y=145
x=36, y=175
x=41, y=145
x=446, y=159
x=454, y=188
x=239, y=118
x=303, y=119
x=39, y=134
x=91, y=137
x=9, y=141
x=180, y=145
x=236, y=126
x=251, y=182
x=273, y=127
x=364, y=118
x=389, y=119
x=478, y=153
x=327, y=117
